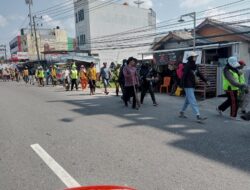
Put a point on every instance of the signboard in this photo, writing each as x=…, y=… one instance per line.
x=187, y=54
x=22, y=55
x=168, y=58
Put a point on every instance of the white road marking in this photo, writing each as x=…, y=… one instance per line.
x=61, y=173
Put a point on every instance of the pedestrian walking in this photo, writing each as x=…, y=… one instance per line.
x=74, y=77
x=105, y=75
x=26, y=75
x=131, y=82
x=148, y=77
x=32, y=73
x=40, y=76
x=54, y=75
x=66, y=76
x=244, y=94
x=232, y=85
x=115, y=78
x=121, y=78
x=189, y=80
x=48, y=75
x=17, y=74
x=83, y=77
x=91, y=73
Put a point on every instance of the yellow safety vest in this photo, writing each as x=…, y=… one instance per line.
x=74, y=74
x=227, y=85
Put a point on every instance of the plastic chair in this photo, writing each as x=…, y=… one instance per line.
x=166, y=84
x=104, y=187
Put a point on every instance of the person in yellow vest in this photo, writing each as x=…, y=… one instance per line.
x=54, y=75
x=83, y=77
x=40, y=76
x=92, y=78
x=232, y=85
x=26, y=75
x=74, y=77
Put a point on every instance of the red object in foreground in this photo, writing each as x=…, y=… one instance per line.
x=104, y=187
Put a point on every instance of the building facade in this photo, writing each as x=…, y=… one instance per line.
x=102, y=28
x=47, y=40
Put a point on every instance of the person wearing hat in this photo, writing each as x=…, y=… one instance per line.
x=74, y=77
x=83, y=77
x=92, y=78
x=188, y=82
x=232, y=85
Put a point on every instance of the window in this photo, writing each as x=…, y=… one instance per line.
x=76, y=18
x=81, y=15
x=82, y=39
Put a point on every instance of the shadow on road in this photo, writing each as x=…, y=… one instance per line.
x=227, y=143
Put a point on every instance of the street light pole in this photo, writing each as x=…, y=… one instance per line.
x=192, y=15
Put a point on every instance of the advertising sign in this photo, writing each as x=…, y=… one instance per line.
x=22, y=55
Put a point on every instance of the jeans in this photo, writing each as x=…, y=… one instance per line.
x=190, y=99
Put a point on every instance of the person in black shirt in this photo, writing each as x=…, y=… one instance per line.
x=148, y=77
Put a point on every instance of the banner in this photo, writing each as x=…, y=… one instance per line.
x=168, y=58
x=187, y=54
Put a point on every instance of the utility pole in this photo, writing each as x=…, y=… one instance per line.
x=30, y=2
x=37, y=49
x=5, y=52
x=138, y=3
x=3, y=48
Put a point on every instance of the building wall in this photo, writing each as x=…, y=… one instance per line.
x=55, y=39
x=109, y=20
x=244, y=52
x=211, y=31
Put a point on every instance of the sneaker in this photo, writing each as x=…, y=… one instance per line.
x=219, y=111
x=235, y=118
x=243, y=112
x=182, y=115
x=155, y=104
x=199, y=118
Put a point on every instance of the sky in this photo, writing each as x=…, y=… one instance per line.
x=13, y=13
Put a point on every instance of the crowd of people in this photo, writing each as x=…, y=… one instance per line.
x=136, y=82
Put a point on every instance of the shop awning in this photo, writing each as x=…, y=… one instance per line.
x=204, y=47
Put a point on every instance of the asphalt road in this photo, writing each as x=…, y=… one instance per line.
x=99, y=141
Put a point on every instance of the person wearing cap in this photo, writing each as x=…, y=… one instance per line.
x=232, y=85
x=91, y=73
x=83, y=77
x=189, y=81
x=74, y=77
x=244, y=94
x=131, y=81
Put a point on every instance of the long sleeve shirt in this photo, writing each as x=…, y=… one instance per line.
x=130, y=75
